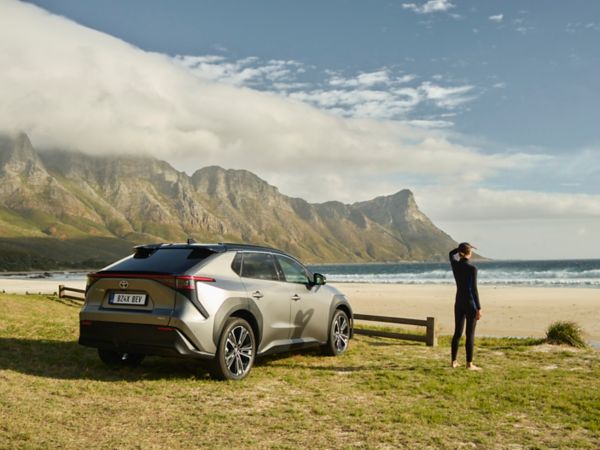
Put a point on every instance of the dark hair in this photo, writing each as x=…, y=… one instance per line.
x=464, y=248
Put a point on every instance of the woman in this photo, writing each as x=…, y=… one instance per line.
x=466, y=306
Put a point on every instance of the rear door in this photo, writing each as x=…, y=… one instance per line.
x=271, y=296
x=130, y=298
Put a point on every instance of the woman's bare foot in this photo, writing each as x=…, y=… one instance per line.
x=454, y=364
x=471, y=366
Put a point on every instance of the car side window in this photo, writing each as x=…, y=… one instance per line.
x=236, y=265
x=259, y=265
x=293, y=271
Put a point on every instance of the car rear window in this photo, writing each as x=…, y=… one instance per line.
x=161, y=260
x=259, y=265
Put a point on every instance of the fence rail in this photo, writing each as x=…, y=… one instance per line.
x=430, y=337
x=62, y=289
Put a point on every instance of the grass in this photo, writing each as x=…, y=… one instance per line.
x=568, y=333
x=382, y=394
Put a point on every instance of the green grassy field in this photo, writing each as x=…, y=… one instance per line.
x=382, y=394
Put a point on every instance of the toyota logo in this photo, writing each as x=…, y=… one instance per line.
x=123, y=284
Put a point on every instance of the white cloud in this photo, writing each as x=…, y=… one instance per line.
x=487, y=204
x=381, y=77
x=575, y=27
x=516, y=224
x=86, y=90
x=431, y=6
x=528, y=238
x=241, y=72
x=381, y=94
x=446, y=97
x=423, y=123
x=363, y=103
x=496, y=18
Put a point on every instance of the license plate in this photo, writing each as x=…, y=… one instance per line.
x=117, y=298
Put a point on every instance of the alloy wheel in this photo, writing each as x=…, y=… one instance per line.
x=239, y=351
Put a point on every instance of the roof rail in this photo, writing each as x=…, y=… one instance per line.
x=248, y=246
x=218, y=247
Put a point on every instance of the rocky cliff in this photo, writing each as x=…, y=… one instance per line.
x=64, y=196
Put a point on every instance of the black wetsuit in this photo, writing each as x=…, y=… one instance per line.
x=466, y=304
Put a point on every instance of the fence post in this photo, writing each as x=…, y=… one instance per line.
x=61, y=288
x=431, y=334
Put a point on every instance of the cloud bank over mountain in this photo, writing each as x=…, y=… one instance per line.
x=82, y=89
x=71, y=87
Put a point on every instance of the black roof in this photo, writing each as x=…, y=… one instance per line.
x=217, y=248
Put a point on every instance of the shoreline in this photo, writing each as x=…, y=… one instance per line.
x=508, y=311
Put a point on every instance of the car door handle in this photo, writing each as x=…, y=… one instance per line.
x=257, y=294
x=295, y=297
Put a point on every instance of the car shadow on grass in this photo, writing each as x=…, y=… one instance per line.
x=71, y=361
x=310, y=358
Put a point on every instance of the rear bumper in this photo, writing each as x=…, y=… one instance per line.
x=138, y=338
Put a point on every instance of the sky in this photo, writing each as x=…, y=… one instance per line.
x=486, y=110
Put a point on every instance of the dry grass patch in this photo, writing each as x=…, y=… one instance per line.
x=382, y=394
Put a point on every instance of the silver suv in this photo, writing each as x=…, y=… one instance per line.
x=227, y=303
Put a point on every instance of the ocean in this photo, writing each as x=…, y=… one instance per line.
x=559, y=273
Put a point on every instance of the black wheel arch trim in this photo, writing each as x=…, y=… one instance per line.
x=242, y=307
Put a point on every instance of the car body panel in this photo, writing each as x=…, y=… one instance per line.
x=311, y=312
x=157, y=311
x=275, y=307
x=189, y=322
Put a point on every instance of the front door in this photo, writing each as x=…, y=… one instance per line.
x=310, y=304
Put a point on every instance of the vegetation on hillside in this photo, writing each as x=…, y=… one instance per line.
x=35, y=253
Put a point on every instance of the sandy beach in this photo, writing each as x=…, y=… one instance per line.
x=507, y=311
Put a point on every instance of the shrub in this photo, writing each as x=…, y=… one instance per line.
x=565, y=333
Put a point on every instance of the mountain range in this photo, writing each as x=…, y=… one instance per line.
x=68, y=209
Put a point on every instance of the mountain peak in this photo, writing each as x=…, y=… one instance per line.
x=18, y=157
x=217, y=180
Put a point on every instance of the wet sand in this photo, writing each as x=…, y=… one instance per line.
x=507, y=311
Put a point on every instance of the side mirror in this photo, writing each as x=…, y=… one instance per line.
x=318, y=279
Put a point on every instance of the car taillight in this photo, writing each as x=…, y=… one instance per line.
x=188, y=283
x=185, y=283
x=90, y=279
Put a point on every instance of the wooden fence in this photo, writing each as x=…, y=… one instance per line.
x=430, y=337
x=62, y=289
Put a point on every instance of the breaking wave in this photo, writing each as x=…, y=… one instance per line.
x=569, y=273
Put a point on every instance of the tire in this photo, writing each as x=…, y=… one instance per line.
x=339, y=334
x=114, y=358
x=236, y=350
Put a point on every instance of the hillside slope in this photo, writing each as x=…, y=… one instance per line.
x=59, y=197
